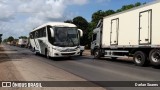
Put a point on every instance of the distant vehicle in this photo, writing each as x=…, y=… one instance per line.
x=22, y=42
x=14, y=42
x=56, y=39
x=134, y=32
x=8, y=43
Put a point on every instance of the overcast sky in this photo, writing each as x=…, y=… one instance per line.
x=19, y=17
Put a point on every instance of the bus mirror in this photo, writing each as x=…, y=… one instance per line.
x=52, y=32
x=80, y=32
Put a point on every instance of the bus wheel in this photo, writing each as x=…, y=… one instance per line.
x=140, y=58
x=33, y=49
x=154, y=57
x=47, y=53
x=97, y=54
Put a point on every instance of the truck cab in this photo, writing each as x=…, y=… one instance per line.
x=96, y=40
x=95, y=44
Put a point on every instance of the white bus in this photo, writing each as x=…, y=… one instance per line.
x=56, y=39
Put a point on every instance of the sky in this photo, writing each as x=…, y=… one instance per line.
x=19, y=17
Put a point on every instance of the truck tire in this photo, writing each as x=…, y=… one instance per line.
x=154, y=57
x=140, y=58
x=97, y=54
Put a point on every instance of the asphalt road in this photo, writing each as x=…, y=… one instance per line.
x=100, y=70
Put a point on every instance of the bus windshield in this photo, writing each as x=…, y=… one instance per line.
x=66, y=36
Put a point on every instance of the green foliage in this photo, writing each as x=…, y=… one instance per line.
x=126, y=7
x=22, y=37
x=81, y=23
x=0, y=38
x=97, y=16
x=10, y=39
x=137, y=4
x=68, y=21
x=100, y=14
x=5, y=40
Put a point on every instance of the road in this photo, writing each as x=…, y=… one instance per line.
x=87, y=68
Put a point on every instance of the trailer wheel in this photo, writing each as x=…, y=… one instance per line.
x=97, y=54
x=154, y=57
x=139, y=58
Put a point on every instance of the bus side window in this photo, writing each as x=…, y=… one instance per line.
x=33, y=33
x=39, y=33
x=31, y=36
x=44, y=32
x=36, y=34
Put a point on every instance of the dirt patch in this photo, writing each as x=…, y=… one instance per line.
x=8, y=71
x=1, y=48
x=4, y=57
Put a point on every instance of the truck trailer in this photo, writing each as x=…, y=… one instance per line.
x=131, y=33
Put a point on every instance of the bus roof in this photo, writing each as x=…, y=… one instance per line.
x=59, y=24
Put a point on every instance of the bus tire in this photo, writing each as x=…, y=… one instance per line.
x=114, y=58
x=33, y=49
x=140, y=58
x=46, y=53
x=154, y=57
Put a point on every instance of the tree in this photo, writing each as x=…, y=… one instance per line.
x=97, y=16
x=126, y=7
x=0, y=38
x=82, y=23
x=109, y=12
x=68, y=21
x=5, y=40
x=137, y=4
x=22, y=37
x=100, y=14
x=10, y=39
x=91, y=27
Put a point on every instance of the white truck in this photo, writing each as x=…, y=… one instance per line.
x=22, y=42
x=134, y=32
